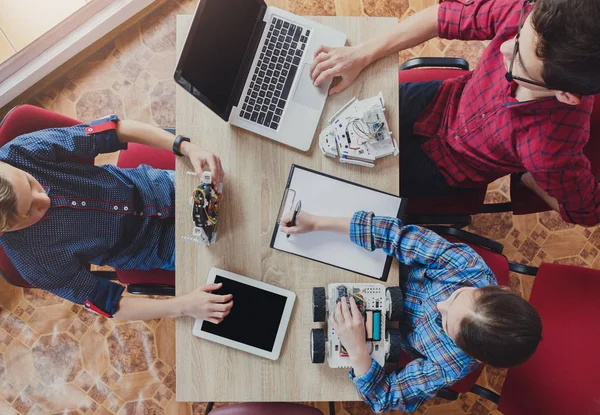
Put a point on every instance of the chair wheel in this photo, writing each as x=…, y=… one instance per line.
x=395, y=301
x=317, y=345
x=318, y=303
x=394, y=340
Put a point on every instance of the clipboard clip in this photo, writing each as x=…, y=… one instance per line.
x=289, y=198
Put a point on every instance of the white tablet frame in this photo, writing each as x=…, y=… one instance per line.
x=283, y=324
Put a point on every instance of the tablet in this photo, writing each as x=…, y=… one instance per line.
x=258, y=319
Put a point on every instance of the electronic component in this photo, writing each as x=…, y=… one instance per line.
x=359, y=133
x=376, y=326
x=205, y=211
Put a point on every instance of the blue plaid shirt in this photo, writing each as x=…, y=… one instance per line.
x=103, y=215
x=436, y=269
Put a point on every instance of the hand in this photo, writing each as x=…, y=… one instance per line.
x=346, y=62
x=200, y=158
x=202, y=305
x=305, y=222
x=349, y=326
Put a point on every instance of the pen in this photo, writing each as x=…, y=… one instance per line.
x=296, y=211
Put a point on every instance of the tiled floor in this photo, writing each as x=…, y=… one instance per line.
x=57, y=358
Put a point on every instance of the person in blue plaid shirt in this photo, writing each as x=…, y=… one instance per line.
x=456, y=316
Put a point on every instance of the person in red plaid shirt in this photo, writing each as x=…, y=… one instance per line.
x=525, y=108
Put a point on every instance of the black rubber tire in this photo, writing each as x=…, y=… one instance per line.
x=394, y=338
x=396, y=303
x=319, y=306
x=317, y=345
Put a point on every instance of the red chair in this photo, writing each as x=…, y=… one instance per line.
x=445, y=209
x=25, y=119
x=562, y=376
x=264, y=408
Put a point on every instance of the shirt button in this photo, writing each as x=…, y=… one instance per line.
x=82, y=203
x=125, y=208
x=115, y=207
x=159, y=214
x=74, y=203
x=483, y=115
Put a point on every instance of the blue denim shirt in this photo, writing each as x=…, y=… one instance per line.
x=103, y=215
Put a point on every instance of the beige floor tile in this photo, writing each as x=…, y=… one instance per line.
x=25, y=21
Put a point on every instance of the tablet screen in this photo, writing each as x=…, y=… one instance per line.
x=254, y=318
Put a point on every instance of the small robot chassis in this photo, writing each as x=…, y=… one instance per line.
x=359, y=133
x=376, y=304
x=205, y=202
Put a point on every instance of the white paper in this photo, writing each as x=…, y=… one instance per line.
x=321, y=195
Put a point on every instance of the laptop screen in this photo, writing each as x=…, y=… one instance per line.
x=215, y=48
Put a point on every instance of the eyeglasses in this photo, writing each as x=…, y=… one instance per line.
x=509, y=75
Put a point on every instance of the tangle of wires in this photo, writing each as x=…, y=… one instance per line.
x=210, y=202
x=364, y=129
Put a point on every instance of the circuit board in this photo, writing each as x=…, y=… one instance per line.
x=370, y=300
x=205, y=203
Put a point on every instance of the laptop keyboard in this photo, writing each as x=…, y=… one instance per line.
x=274, y=74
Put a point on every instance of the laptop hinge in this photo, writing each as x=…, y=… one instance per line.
x=238, y=87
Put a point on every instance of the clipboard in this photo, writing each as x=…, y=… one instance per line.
x=326, y=195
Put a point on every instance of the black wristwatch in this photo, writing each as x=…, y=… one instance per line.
x=177, y=144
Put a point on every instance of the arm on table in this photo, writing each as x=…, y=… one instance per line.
x=200, y=304
x=130, y=131
x=347, y=62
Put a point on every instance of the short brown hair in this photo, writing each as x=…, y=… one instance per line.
x=503, y=330
x=569, y=44
x=8, y=204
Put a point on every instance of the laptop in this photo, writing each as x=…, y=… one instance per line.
x=250, y=64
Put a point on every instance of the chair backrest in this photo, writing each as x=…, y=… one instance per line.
x=563, y=376
x=499, y=266
x=21, y=120
x=266, y=408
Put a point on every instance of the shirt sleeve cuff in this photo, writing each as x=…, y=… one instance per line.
x=105, y=298
x=360, y=230
x=105, y=134
x=373, y=232
x=369, y=380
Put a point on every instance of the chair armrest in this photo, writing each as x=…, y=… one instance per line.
x=107, y=275
x=149, y=289
x=522, y=269
x=485, y=393
x=469, y=237
x=457, y=63
x=458, y=221
x=447, y=394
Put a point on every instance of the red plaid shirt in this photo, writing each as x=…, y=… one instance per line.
x=479, y=132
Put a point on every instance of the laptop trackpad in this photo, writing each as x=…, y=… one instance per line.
x=307, y=94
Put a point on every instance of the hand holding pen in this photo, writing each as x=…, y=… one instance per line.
x=297, y=221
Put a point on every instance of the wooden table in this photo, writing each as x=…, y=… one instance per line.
x=256, y=172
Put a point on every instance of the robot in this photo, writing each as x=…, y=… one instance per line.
x=359, y=133
x=376, y=304
x=205, y=202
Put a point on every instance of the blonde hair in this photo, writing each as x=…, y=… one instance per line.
x=8, y=204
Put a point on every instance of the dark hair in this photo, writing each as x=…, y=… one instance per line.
x=569, y=44
x=503, y=330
